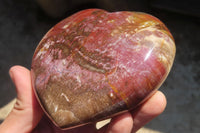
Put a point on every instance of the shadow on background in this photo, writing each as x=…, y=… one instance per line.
x=23, y=24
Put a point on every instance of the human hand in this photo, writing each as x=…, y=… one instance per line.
x=26, y=115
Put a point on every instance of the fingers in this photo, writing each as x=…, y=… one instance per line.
x=154, y=106
x=26, y=112
x=134, y=120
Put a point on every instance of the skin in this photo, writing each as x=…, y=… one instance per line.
x=26, y=113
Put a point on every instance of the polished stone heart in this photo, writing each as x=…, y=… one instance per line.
x=95, y=64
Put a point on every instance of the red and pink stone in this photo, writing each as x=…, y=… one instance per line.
x=96, y=64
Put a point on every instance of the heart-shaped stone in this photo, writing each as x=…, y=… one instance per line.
x=95, y=64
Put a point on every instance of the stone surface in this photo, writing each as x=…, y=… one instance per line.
x=95, y=64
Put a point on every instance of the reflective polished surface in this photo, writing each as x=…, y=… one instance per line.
x=95, y=64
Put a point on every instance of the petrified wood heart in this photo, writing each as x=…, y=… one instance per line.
x=95, y=64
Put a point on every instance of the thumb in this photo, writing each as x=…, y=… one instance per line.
x=26, y=112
